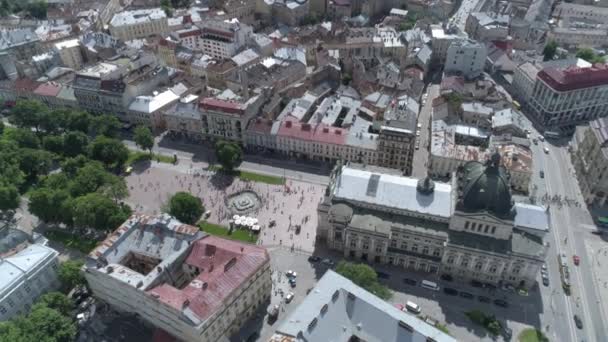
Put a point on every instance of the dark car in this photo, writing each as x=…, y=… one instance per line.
x=507, y=332
x=446, y=277
x=466, y=295
x=476, y=283
x=410, y=282
x=314, y=258
x=292, y=282
x=578, y=322
x=542, y=174
x=484, y=299
x=450, y=291
x=545, y=281
x=383, y=275
x=501, y=303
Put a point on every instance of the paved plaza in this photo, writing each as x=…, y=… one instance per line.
x=288, y=205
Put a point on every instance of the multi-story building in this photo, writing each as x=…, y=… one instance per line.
x=70, y=54
x=396, y=138
x=15, y=45
x=466, y=58
x=28, y=269
x=441, y=41
x=485, y=27
x=579, y=26
x=147, y=110
x=227, y=120
x=193, y=286
x=565, y=97
x=469, y=229
x=337, y=309
x=223, y=39
x=184, y=120
x=129, y=25
x=590, y=160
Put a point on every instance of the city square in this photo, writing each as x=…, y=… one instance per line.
x=290, y=205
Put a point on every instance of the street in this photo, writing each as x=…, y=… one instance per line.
x=421, y=155
x=568, y=234
x=459, y=19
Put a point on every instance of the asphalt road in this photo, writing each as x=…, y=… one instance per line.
x=568, y=232
x=421, y=155
x=459, y=18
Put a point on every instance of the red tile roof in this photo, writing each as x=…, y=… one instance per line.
x=573, y=78
x=231, y=107
x=320, y=132
x=50, y=89
x=224, y=266
x=25, y=84
x=260, y=125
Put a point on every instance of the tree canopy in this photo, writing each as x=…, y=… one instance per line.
x=70, y=273
x=99, y=212
x=228, y=154
x=57, y=301
x=185, y=207
x=364, y=276
x=111, y=152
x=144, y=138
x=550, y=50
x=589, y=55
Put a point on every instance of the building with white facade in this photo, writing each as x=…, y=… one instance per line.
x=129, y=25
x=441, y=41
x=466, y=58
x=70, y=54
x=193, y=286
x=564, y=97
x=28, y=269
x=466, y=229
x=578, y=26
x=227, y=119
x=338, y=310
x=487, y=26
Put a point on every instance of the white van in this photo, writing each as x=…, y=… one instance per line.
x=412, y=307
x=429, y=285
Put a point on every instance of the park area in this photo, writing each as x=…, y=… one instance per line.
x=286, y=212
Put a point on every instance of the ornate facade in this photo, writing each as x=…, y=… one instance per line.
x=469, y=229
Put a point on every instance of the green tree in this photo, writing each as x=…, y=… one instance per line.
x=144, y=138
x=9, y=197
x=109, y=151
x=114, y=187
x=90, y=178
x=75, y=143
x=37, y=9
x=589, y=55
x=71, y=165
x=28, y=113
x=76, y=120
x=34, y=162
x=57, y=301
x=51, y=205
x=107, y=125
x=346, y=79
x=185, y=207
x=53, y=143
x=364, y=276
x=23, y=137
x=1, y=127
x=550, y=50
x=70, y=273
x=228, y=154
x=99, y=212
x=46, y=324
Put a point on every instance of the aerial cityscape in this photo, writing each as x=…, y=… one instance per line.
x=303, y=170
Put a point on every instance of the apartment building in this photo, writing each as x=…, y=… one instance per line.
x=223, y=39
x=28, y=269
x=193, y=286
x=469, y=229
x=129, y=25
x=564, y=97
x=466, y=58
x=228, y=119
x=70, y=54
x=579, y=26
x=184, y=120
x=590, y=160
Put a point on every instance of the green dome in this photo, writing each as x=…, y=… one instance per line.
x=486, y=188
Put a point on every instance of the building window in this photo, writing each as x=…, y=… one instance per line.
x=403, y=245
x=466, y=225
x=393, y=243
x=415, y=248
x=379, y=248
x=436, y=252
x=493, y=229
x=516, y=270
x=3, y=310
x=353, y=243
x=365, y=244
x=451, y=259
x=425, y=250
x=473, y=225
x=478, y=266
x=486, y=229
x=465, y=263
x=493, y=269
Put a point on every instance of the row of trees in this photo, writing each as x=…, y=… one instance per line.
x=587, y=54
x=365, y=276
x=86, y=192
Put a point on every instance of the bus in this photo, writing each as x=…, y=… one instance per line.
x=602, y=221
x=552, y=135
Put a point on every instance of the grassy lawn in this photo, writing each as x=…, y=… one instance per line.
x=71, y=241
x=532, y=335
x=136, y=156
x=250, y=176
x=217, y=230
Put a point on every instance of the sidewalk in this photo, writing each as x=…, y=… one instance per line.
x=597, y=249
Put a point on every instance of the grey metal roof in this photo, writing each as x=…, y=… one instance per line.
x=531, y=216
x=337, y=309
x=393, y=192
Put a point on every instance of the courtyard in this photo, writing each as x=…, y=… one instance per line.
x=281, y=210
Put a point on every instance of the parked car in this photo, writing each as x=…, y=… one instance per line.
x=410, y=282
x=542, y=174
x=289, y=297
x=541, y=138
x=412, y=307
x=578, y=322
x=535, y=141
x=314, y=258
x=450, y=291
x=546, y=281
x=328, y=262
x=466, y=295
x=446, y=277
x=291, y=274
x=476, y=283
x=546, y=149
x=501, y=303
x=506, y=332
x=484, y=299
x=576, y=259
x=292, y=282
x=383, y=275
